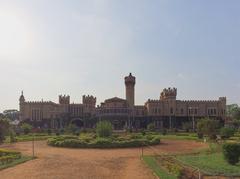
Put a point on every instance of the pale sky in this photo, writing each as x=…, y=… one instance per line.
x=76, y=47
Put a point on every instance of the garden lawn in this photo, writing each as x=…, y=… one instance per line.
x=212, y=164
x=152, y=163
x=15, y=162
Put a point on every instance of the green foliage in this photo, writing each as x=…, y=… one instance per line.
x=164, y=131
x=7, y=156
x=187, y=126
x=153, y=164
x=72, y=129
x=15, y=162
x=26, y=128
x=49, y=131
x=175, y=169
x=208, y=127
x=99, y=142
x=4, y=128
x=226, y=132
x=211, y=164
x=231, y=152
x=233, y=111
x=104, y=129
x=151, y=127
x=200, y=135
x=12, y=137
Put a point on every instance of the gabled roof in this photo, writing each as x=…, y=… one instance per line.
x=115, y=99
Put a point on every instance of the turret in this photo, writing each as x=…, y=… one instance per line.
x=168, y=93
x=63, y=99
x=21, y=99
x=89, y=101
x=21, y=106
x=130, y=82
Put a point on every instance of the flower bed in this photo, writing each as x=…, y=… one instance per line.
x=114, y=141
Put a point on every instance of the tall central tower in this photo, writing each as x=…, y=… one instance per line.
x=130, y=91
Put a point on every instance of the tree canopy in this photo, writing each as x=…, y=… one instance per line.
x=233, y=111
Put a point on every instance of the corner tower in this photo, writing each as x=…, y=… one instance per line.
x=130, y=91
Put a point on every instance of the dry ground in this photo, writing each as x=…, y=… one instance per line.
x=62, y=163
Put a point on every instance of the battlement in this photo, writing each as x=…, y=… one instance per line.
x=221, y=99
x=64, y=99
x=39, y=102
x=168, y=93
x=89, y=100
x=153, y=101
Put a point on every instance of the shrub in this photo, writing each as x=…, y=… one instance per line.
x=57, y=132
x=72, y=129
x=226, y=133
x=120, y=142
x=4, y=126
x=7, y=156
x=231, y=153
x=143, y=132
x=151, y=127
x=187, y=126
x=200, y=135
x=208, y=127
x=49, y=131
x=12, y=137
x=104, y=129
x=26, y=128
x=164, y=131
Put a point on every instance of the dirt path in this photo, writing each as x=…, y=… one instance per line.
x=61, y=163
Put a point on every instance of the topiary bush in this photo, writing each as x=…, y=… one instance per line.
x=104, y=129
x=231, y=152
x=226, y=132
x=151, y=127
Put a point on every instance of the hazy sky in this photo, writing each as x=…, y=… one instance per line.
x=75, y=47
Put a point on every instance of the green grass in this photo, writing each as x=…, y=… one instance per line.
x=15, y=162
x=213, y=164
x=152, y=163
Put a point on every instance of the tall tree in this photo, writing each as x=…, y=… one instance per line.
x=233, y=111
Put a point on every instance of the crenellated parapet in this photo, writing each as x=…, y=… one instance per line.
x=168, y=93
x=153, y=101
x=89, y=100
x=64, y=99
x=39, y=102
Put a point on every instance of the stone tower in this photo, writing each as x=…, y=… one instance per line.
x=130, y=91
x=21, y=105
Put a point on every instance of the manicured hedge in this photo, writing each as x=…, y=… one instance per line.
x=7, y=156
x=4, y=152
x=75, y=142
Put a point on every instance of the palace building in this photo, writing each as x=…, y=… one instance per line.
x=165, y=112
